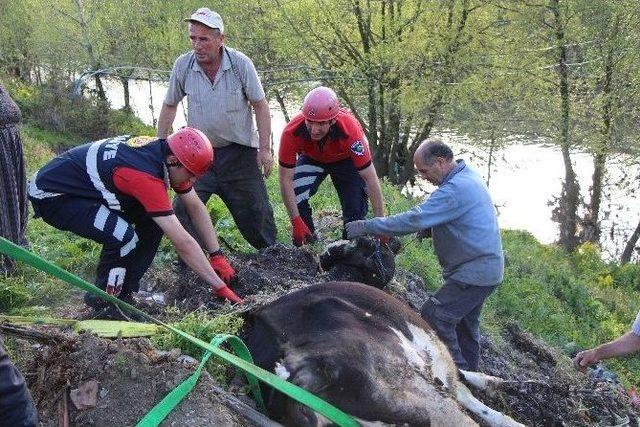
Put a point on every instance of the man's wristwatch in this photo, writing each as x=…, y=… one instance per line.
x=213, y=253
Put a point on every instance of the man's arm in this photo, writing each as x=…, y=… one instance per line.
x=189, y=250
x=626, y=344
x=287, y=192
x=374, y=191
x=165, y=121
x=263, y=122
x=201, y=220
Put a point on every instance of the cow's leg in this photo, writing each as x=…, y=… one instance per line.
x=490, y=416
x=490, y=383
x=481, y=381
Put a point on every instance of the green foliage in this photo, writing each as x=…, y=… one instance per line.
x=627, y=276
x=201, y=325
x=50, y=106
x=12, y=294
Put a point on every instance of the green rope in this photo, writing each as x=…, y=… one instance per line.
x=173, y=399
x=301, y=395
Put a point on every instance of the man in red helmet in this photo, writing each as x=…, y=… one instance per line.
x=326, y=140
x=114, y=191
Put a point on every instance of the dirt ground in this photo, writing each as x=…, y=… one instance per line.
x=543, y=389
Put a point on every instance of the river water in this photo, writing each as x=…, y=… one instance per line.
x=525, y=176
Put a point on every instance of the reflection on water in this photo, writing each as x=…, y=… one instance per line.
x=524, y=178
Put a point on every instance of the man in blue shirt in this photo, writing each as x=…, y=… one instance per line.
x=461, y=218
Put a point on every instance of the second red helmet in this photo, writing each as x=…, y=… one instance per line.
x=320, y=105
x=193, y=149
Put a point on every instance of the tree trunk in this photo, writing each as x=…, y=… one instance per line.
x=126, y=96
x=490, y=161
x=282, y=105
x=570, y=195
x=592, y=229
x=94, y=63
x=630, y=246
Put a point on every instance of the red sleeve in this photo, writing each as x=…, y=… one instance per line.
x=150, y=191
x=288, y=151
x=357, y=144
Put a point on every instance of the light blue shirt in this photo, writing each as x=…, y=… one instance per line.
x=465, y=232
x=635, y=328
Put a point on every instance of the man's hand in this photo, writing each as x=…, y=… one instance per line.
x=384, y=239
x=585, y=358
x=222, y=267
x=355, y=228
x=226, y=292
x=265, y=161
x=300, y=232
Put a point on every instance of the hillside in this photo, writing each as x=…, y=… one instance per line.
x=549, y=306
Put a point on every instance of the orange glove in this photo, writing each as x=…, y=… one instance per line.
x=300, y=231
x=221, y=266
x=226, y=292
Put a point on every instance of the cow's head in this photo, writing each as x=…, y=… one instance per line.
x=363, y=259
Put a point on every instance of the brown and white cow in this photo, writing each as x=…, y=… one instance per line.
x=365, y=352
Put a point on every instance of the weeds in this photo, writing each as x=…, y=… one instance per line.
x=201, y=325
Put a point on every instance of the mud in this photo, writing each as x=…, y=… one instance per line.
x=132, y=377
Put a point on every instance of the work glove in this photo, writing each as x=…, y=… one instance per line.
x=384, y=239
x=221, y=266
x=300, y=232
x=355, y=228
x=226, y=292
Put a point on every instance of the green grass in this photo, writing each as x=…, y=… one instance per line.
x=201, y=325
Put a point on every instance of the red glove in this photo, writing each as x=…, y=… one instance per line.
x=226, y=292
x=384, y=239
x=222, y=267
x=300, y=232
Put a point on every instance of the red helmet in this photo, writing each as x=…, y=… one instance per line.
x=193, y=150
x=320, y=105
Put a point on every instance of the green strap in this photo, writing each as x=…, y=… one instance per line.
x=173, y=399
x=241, y=350
x=301, y=395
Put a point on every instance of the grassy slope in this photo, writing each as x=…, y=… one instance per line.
x=576, y=301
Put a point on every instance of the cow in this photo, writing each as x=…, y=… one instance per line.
x=363, y=259
x=365, y=352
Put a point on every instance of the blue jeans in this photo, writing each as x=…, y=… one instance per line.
x=454, y=313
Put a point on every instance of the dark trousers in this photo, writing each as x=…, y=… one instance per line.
x=13, y=192
x=16, y=405
x=348, y=183
x=454, y=313
x=236, y=179
x=128, y=244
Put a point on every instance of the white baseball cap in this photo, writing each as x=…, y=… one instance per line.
x=208, y=17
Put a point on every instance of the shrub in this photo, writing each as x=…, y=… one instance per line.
x=627, y=276
x=51, y=106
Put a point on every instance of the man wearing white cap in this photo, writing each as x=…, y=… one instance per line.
x=221, y=85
